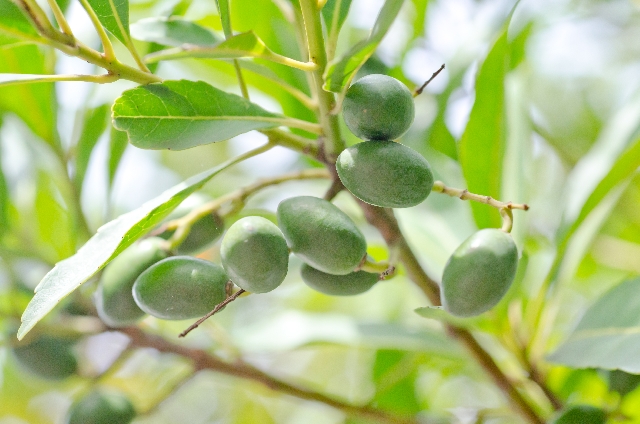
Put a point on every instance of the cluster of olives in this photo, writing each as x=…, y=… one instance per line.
x=379, y=108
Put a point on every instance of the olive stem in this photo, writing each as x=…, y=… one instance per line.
x=205, y=361
x=507, y=219
x=59, y=15
x=464, y=194
x=419, y=90
x=215, y=310
x=372, y=266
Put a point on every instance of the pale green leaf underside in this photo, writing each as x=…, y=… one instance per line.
x=114, y=16
x=608, y=336
x=173, y=32
x=246, y=44
x=182, y=114
x=111, y=239
x=340, y=72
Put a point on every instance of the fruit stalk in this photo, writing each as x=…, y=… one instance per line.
x=464, y=194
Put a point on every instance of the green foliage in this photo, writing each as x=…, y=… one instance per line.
x=102, y=406
x=48, y=357
x=581, y=414
x=114, y=16
x=321, y=234
x=113, y=298
x=378, y=107
x=622, y=382
x=180, y=287
x=173, y=31
x=479, y=273
x=255, y=254
x=338, y=285
x=385, y=174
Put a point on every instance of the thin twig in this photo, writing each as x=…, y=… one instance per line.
x=205, y=361
x=464, y=194
x=419, y=90
x=215, y=310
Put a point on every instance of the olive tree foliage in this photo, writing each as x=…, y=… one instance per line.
x=112, y=113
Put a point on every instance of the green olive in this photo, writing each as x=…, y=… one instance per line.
x=102, y=407
x=321, y=234
x=180, y=287
x=378, y=107
x=113, y=298
x=255, y=254
x=385, y=174
x=581, y=414
x=479, y=273
x=338, y=285
x=48, y=357
x=203, y=233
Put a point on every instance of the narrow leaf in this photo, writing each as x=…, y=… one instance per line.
x=13, y=22
x=53, y=222
x=111, y=239
x=182, y=114
x=173, y=31
x=95, y=123
x=114, y=16
x=482, y=146
x=225, y=17
x=608, y=336
x=117, y=146
x=246, y=44
x=4, y=199
x=340, y=72
x=335, y=13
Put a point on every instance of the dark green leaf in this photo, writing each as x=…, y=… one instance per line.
x=608, y=336
x=340, y=72
x=335, y=13
x=173, y=31
x=182, y=114
x=111, y=239
x=114, y=16
x=622, y=382
x=95, y=122
x=13, y=22
x=482, y=146
x=117, y=146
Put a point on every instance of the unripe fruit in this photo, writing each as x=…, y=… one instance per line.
x=102, y=407
x=180, y=287
x=321, y=234
x=48, y=357
x=378, y=107
x=255, y=254
x=581, y=414
x=385, y=174
x=113, y=298
x=338, y=285
x=203, y=233
x=479, y=273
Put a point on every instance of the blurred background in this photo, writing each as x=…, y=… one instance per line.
x=566, y=104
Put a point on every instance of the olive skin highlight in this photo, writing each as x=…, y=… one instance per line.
x=385, y=174
x=255, y=254
x=321, y=234
x=479, y=273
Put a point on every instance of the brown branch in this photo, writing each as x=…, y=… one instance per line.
x=205, y=361
x=215, y=310
x=386, y=223
x=419, y=90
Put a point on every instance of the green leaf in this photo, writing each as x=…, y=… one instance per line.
x=340, y=72
x=13, y=22
x=4, y=199
x=482, y=146
x=95, y=123
x=225, y=17
x=33, y=103
x=117, y=146
x=437, y=313
x=182, y=114
x=335, y=13
x=111, y=239
x=394, y=375
x=114, y=16
x=173, y=31
x=246, y=44
x=608, y=336
x=54, y=224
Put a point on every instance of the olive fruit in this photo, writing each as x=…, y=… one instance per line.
x=385, y=174
x=338, y=285
x=378, y=107
x=180, y=287
x=479, y=272
x=48, y=357
x=581, y=414
x=113, y=298
x=321, y=234
x=102, y=407
x=255, y=254
x=203, y=232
